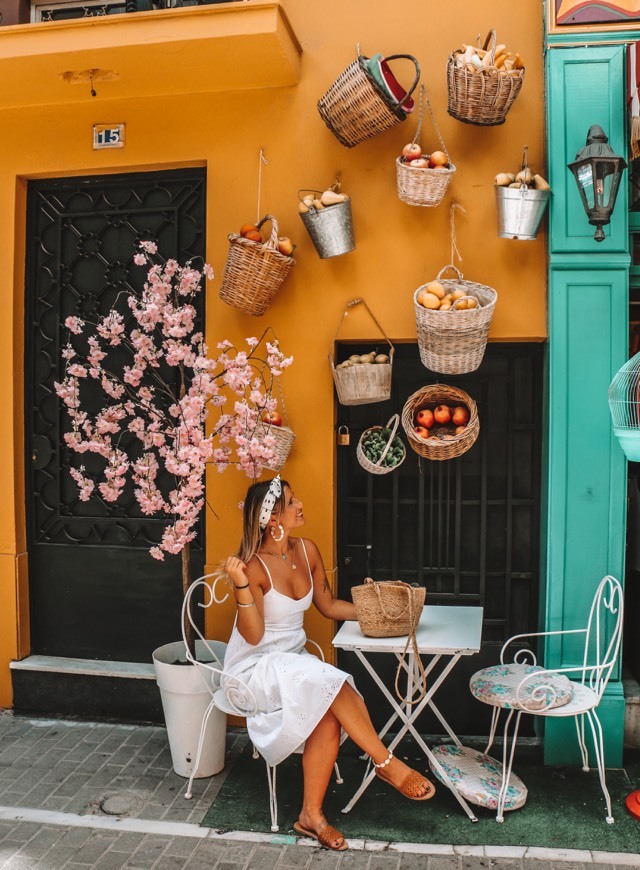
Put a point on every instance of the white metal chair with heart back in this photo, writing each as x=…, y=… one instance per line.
x=522, y=686
x=229, y=693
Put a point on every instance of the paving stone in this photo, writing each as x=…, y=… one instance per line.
x=18, y=862
x=356, y=860
x=535, y=864
x=76, y=837
x=299, y=856
x=148, y=852
x=409, y=861
x=323, y=859
x=443, y=862
x=41, y=842
x=94, y=848
x=169, y=862
x=384, y=861
x=71, y=785
x=111, y=861
x=56, y=857
x=263, y=858
x=182, y=847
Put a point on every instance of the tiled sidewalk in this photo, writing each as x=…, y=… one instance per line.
x=104, y=796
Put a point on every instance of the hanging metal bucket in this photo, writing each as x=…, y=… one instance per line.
x=520, y=211
x=331, y=229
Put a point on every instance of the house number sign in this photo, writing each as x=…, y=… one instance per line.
x=108, y=135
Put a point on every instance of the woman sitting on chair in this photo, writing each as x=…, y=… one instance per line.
x=302, y=702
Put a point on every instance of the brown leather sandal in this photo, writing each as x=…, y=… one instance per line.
x=325, y=836
x=410, y=785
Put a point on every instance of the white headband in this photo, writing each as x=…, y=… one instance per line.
x=268, y=502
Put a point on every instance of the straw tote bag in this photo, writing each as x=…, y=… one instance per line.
x=391, y=608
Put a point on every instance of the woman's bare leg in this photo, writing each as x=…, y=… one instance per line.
x=318, y=758
x=352, y=714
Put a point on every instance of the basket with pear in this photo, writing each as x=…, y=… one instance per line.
x=327, y=217
x=521, y=199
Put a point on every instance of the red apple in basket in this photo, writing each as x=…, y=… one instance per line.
x=421, y=432
x=272, y=418
x=420, y=163
x=411, y=152
x=285, y=245
x=442, y=414
x=425, y=418
x=460, y=415
x=460, y=430
x=438, y=158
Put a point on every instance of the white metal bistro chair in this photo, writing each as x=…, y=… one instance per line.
x=228, y=693
x=522, y=686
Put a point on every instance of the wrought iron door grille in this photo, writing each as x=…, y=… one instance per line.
x=467, y=528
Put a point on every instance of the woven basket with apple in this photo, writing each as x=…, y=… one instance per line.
x=273, y=424
x=440, y=421
x=255, y=268
x=453, y=317
x=422, y=179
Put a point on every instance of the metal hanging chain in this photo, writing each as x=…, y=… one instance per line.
x=261, y=160
x=423, y=105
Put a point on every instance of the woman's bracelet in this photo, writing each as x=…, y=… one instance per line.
x=251, y=604
x=246, y=586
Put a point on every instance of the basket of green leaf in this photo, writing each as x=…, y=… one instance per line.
x=379, y=449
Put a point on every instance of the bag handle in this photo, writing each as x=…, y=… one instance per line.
x=450, y=266
x=357, y=301
x=393, y=420
x=272, y=241
x=402, y=663
x=415, y=81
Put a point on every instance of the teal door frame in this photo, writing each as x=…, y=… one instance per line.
x=584, y=531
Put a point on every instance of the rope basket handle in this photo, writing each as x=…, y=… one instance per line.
x=490, y=38
x=413, y=641
x=357, y=301
x=424, y=101
x=454, y=268
x=272, y=241
x=394, y=428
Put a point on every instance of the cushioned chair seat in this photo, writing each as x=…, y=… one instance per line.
x=478, y=777
x=498, y=685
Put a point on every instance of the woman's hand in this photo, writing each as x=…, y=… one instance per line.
x=236, y=569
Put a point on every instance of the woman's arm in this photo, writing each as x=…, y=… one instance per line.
x=333, y=608
x=247, y=591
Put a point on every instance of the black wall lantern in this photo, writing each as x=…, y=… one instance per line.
x=597, y=171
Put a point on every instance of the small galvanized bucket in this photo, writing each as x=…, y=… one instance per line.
x=330, y=228
x=520, y=211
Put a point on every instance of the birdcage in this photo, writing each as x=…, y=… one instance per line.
x=624, y=403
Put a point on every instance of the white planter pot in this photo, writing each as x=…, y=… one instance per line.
x=185, y=698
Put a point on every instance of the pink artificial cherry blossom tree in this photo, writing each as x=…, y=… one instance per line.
x=159, y=385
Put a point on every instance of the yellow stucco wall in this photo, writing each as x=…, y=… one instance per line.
x=398, y=247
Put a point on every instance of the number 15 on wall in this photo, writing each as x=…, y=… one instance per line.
x=108, y=135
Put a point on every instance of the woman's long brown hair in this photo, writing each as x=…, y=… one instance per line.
x=251, y=531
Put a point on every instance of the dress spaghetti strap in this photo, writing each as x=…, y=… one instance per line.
x=262, y=562
x=304, y=550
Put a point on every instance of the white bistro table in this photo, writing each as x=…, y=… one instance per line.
x=444, y=632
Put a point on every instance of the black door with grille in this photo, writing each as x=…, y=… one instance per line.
x=467, y=528
x=95, y=592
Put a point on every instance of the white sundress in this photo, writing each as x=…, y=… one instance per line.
x=292, y=688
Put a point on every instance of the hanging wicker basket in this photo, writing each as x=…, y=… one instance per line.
x=423, y=186
x=448, y=445
x=284, y=437
x=454, y=342
x=356, y=107
x=254, y=271
x=366, y=383
x=481, y=96
x=393, y=442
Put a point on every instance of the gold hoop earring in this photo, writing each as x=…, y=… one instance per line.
x=273, y=534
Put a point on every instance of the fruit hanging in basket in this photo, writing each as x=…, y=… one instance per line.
x=413, y=157
x=472, y=58
x=252, y=233
x=442, y=421
x=435, y=298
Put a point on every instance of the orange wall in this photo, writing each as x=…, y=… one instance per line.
x=398, y=246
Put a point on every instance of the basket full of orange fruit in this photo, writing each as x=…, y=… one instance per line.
x=255, y=267
x=440, y=421
x=453, y=317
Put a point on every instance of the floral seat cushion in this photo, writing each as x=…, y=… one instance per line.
x=498, y=686
x=477, y=777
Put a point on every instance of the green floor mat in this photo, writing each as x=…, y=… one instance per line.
x=565, y=808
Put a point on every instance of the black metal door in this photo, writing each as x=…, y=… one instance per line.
x=467, y=528
x=95, y=592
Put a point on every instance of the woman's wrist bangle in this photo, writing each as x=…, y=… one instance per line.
x=251, y=604
x=246, y=586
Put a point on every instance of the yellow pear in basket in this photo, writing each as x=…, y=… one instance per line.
x=428, y=300
x=330, y=197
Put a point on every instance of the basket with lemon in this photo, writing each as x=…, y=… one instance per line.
x=453, y=317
